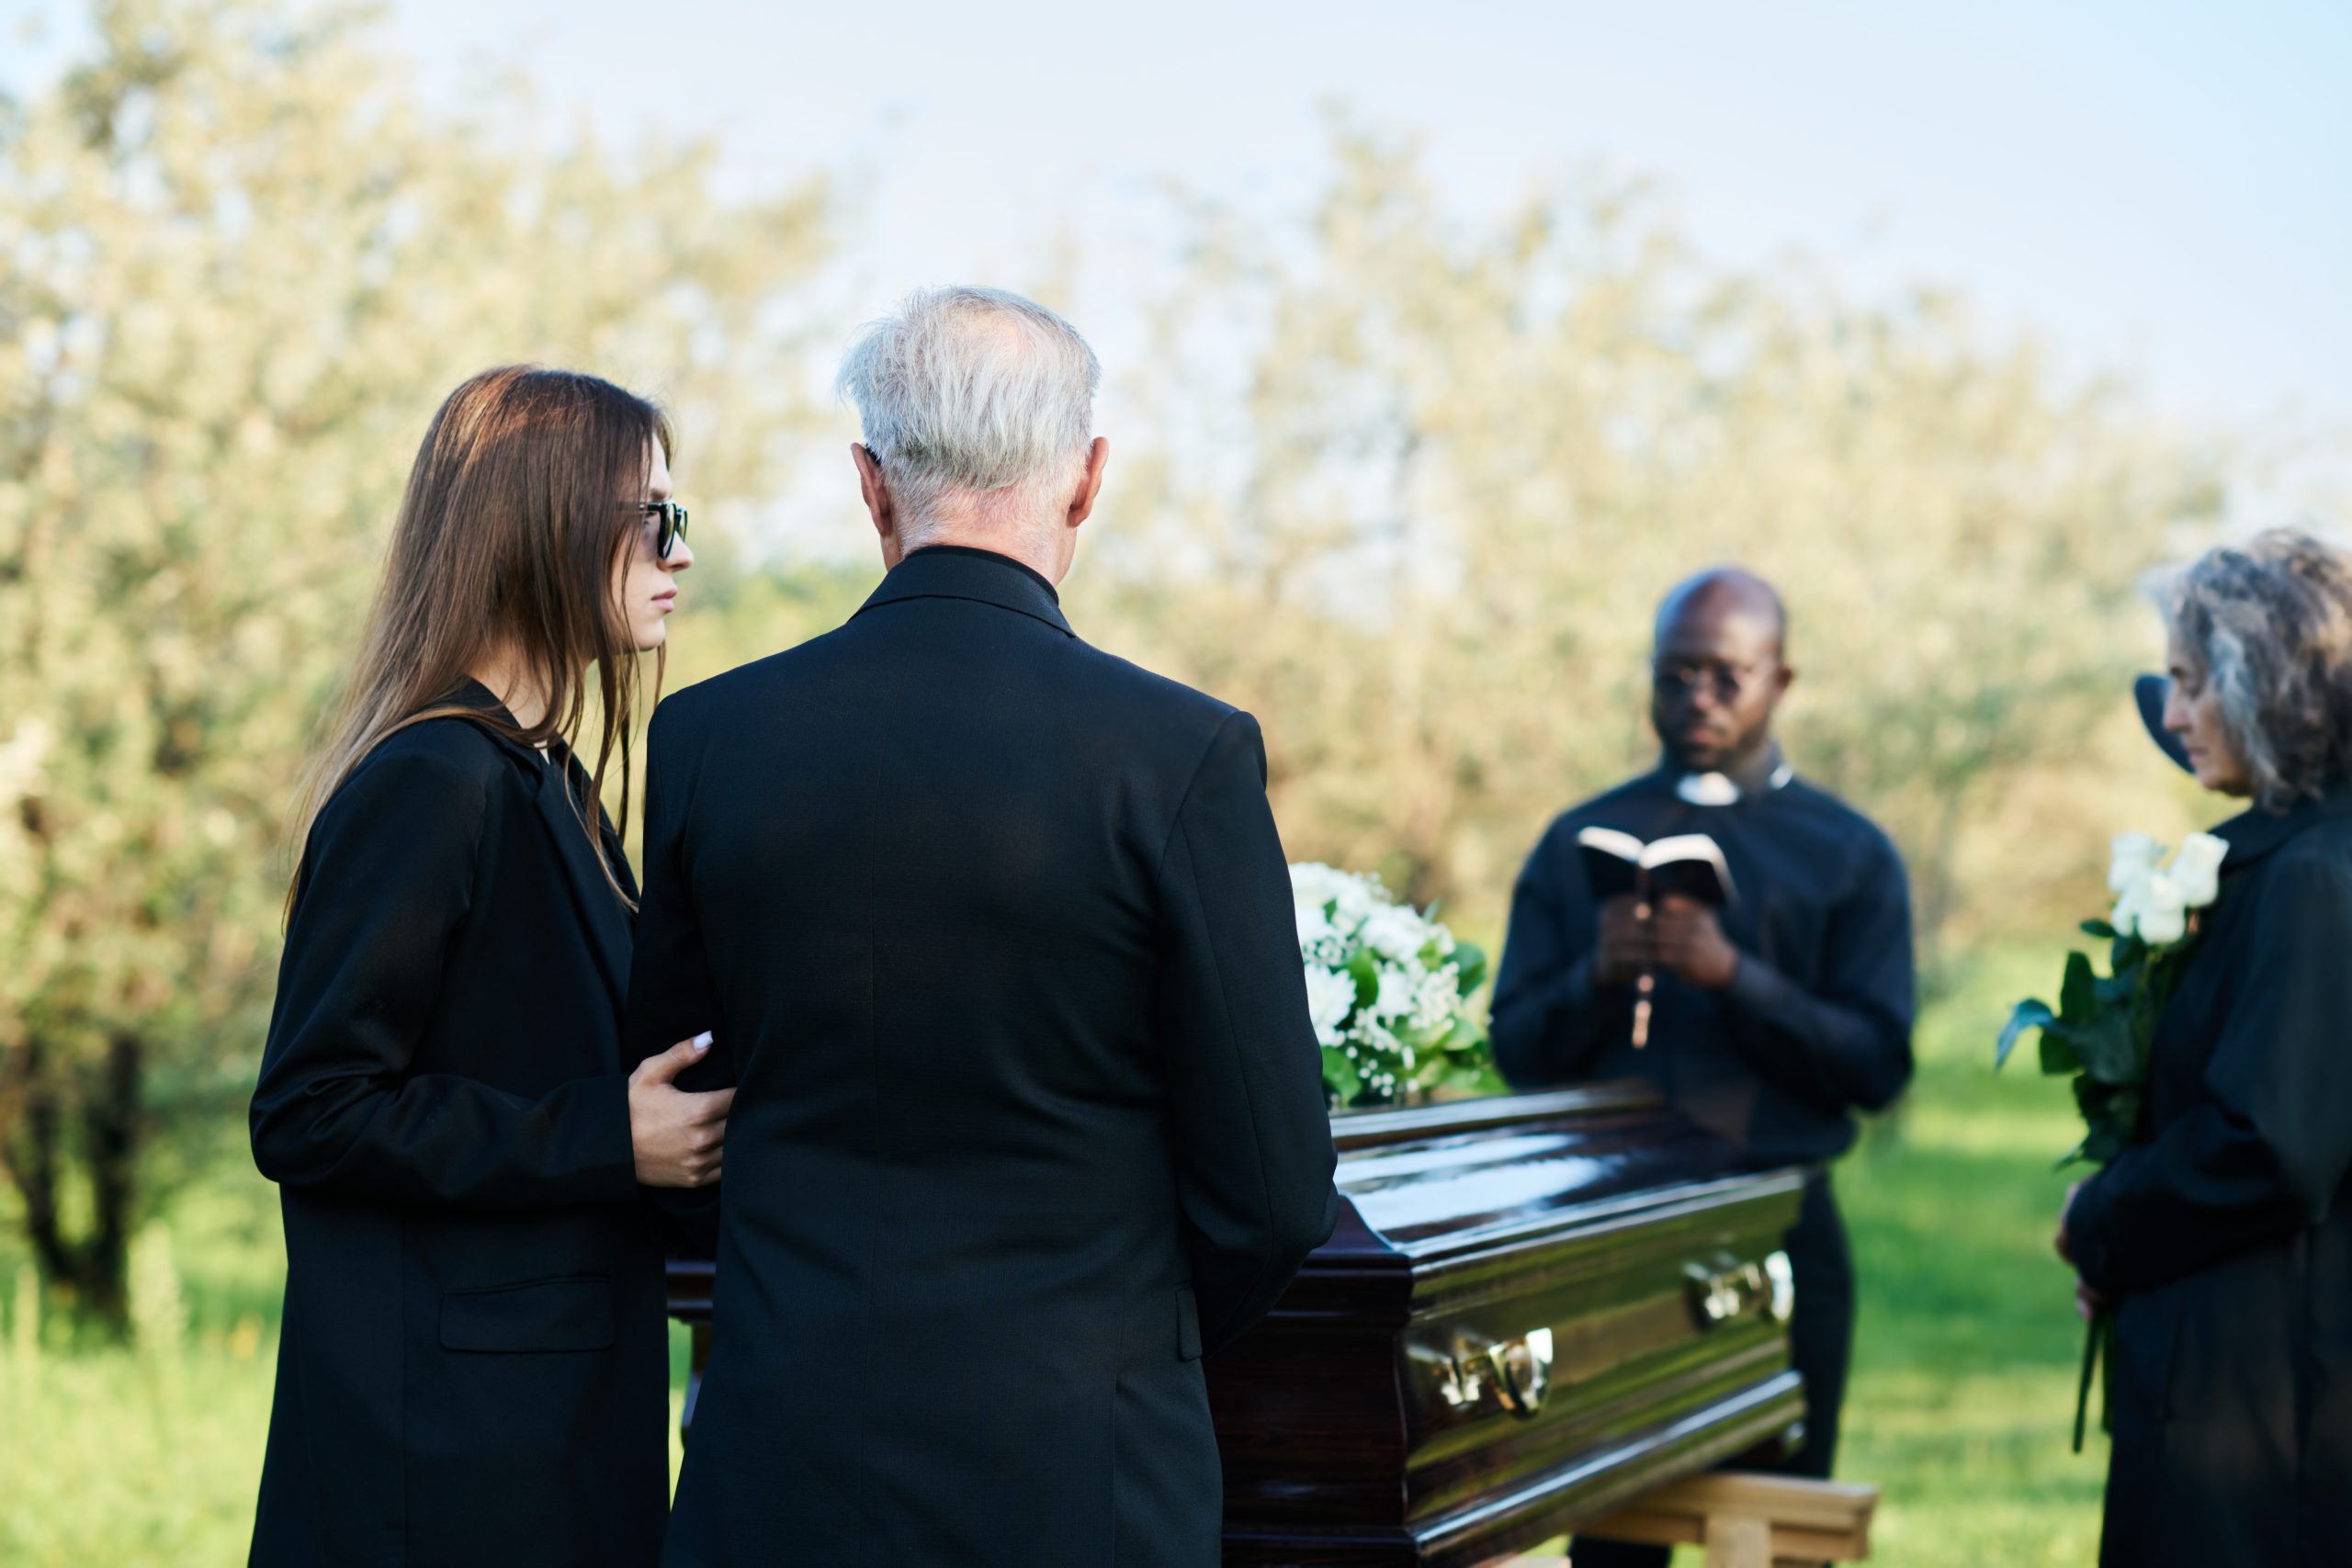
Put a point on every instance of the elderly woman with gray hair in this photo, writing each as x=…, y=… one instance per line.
x=2224, y=1237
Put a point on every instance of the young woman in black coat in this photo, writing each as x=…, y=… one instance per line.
x=2223, y=1237
x=473, y=1367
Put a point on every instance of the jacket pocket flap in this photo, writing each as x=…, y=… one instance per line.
x=547, y=1315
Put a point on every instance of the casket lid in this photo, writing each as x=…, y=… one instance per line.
x=1427, y=1181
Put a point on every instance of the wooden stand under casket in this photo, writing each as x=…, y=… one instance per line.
x=1747, y=1521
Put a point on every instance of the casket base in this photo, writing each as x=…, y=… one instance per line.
x=1592, y=1486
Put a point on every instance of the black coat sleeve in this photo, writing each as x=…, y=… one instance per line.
x=387, y=877
x=1849, y=1040
x=1549, y=1018
x=2264, y=1153
x=671, y=997
x=1251, y=1134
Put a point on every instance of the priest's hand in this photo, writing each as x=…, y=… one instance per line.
x=1622, y=950
x=1690, y=943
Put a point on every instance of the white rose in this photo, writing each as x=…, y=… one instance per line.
x=1312, y=882
x=2197, y=868
x=1329, y=995
x=1394, y=931
x=2163, y=913
x=1395, y=997
x=2132, y=857
x=2130, y=903
x=1314, y=924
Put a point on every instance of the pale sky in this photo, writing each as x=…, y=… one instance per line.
x=2154, y=188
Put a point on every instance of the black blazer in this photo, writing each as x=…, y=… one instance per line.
x=2226, y=1232
x=997, y=937
x=473, y=1367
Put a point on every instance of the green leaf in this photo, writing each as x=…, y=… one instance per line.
x=2110, y=1118
x=1470, y=960
x=1364, y=969
x=2027, y=1014
x=2104, y=1045
x=2099, y=928
x=2058, y=1057
x=1425, y=1039
x=2079, y=992
x=1466, y=1034
x=1342, y=1081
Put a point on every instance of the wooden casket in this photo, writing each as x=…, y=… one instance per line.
x=1535, y=1309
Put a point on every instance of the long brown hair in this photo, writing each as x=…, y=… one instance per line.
x=515, y=516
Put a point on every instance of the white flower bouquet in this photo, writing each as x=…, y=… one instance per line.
x=1388, y=989
x=2104, y=1025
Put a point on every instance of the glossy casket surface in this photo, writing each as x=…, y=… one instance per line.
x=1536, y=1308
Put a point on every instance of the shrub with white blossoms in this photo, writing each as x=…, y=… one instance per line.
x=1388, y=989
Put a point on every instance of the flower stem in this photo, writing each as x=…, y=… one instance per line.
x=2092, y=1337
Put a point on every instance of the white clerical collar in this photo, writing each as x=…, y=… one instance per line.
x=1718, y=789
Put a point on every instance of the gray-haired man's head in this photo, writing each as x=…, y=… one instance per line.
x=978, y=407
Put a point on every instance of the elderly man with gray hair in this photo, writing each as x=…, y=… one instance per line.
x=994, y=932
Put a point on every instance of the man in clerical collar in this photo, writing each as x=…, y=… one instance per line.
x=1771, y=1019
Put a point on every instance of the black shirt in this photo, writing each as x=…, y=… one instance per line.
x=1817, y=1018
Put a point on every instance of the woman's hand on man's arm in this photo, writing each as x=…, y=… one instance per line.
x=679, y=1137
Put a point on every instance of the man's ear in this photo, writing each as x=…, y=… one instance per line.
x=879, y=504
x=1089, y=483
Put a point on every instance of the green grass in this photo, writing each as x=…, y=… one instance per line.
x=1963, y=1395
x=1960, y=1404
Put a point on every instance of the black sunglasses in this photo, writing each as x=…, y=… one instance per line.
x=673, y=525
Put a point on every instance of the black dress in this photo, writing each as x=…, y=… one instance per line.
x=473, y=1367
x=2225, y=1234
x=996, y=936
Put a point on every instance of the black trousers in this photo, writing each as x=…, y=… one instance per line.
x=1821, y=1338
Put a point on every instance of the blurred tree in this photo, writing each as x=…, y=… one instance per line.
x=1473, y=457
x=1407, y=484
x=243, y=261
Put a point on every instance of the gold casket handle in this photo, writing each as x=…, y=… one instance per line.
x=1522, y=1370
x=1725, y=1288
x=1519, y=1370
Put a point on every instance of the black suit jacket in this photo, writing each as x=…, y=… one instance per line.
x=473, y=1367
x=2226, y=1232
x=996, y=934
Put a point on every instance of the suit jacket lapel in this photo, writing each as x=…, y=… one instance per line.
x=610, y=930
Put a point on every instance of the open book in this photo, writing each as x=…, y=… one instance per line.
x=1688, y=864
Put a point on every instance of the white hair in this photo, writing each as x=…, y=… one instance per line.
x=974, y=401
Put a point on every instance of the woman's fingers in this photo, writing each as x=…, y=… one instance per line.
x=666, y=1067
